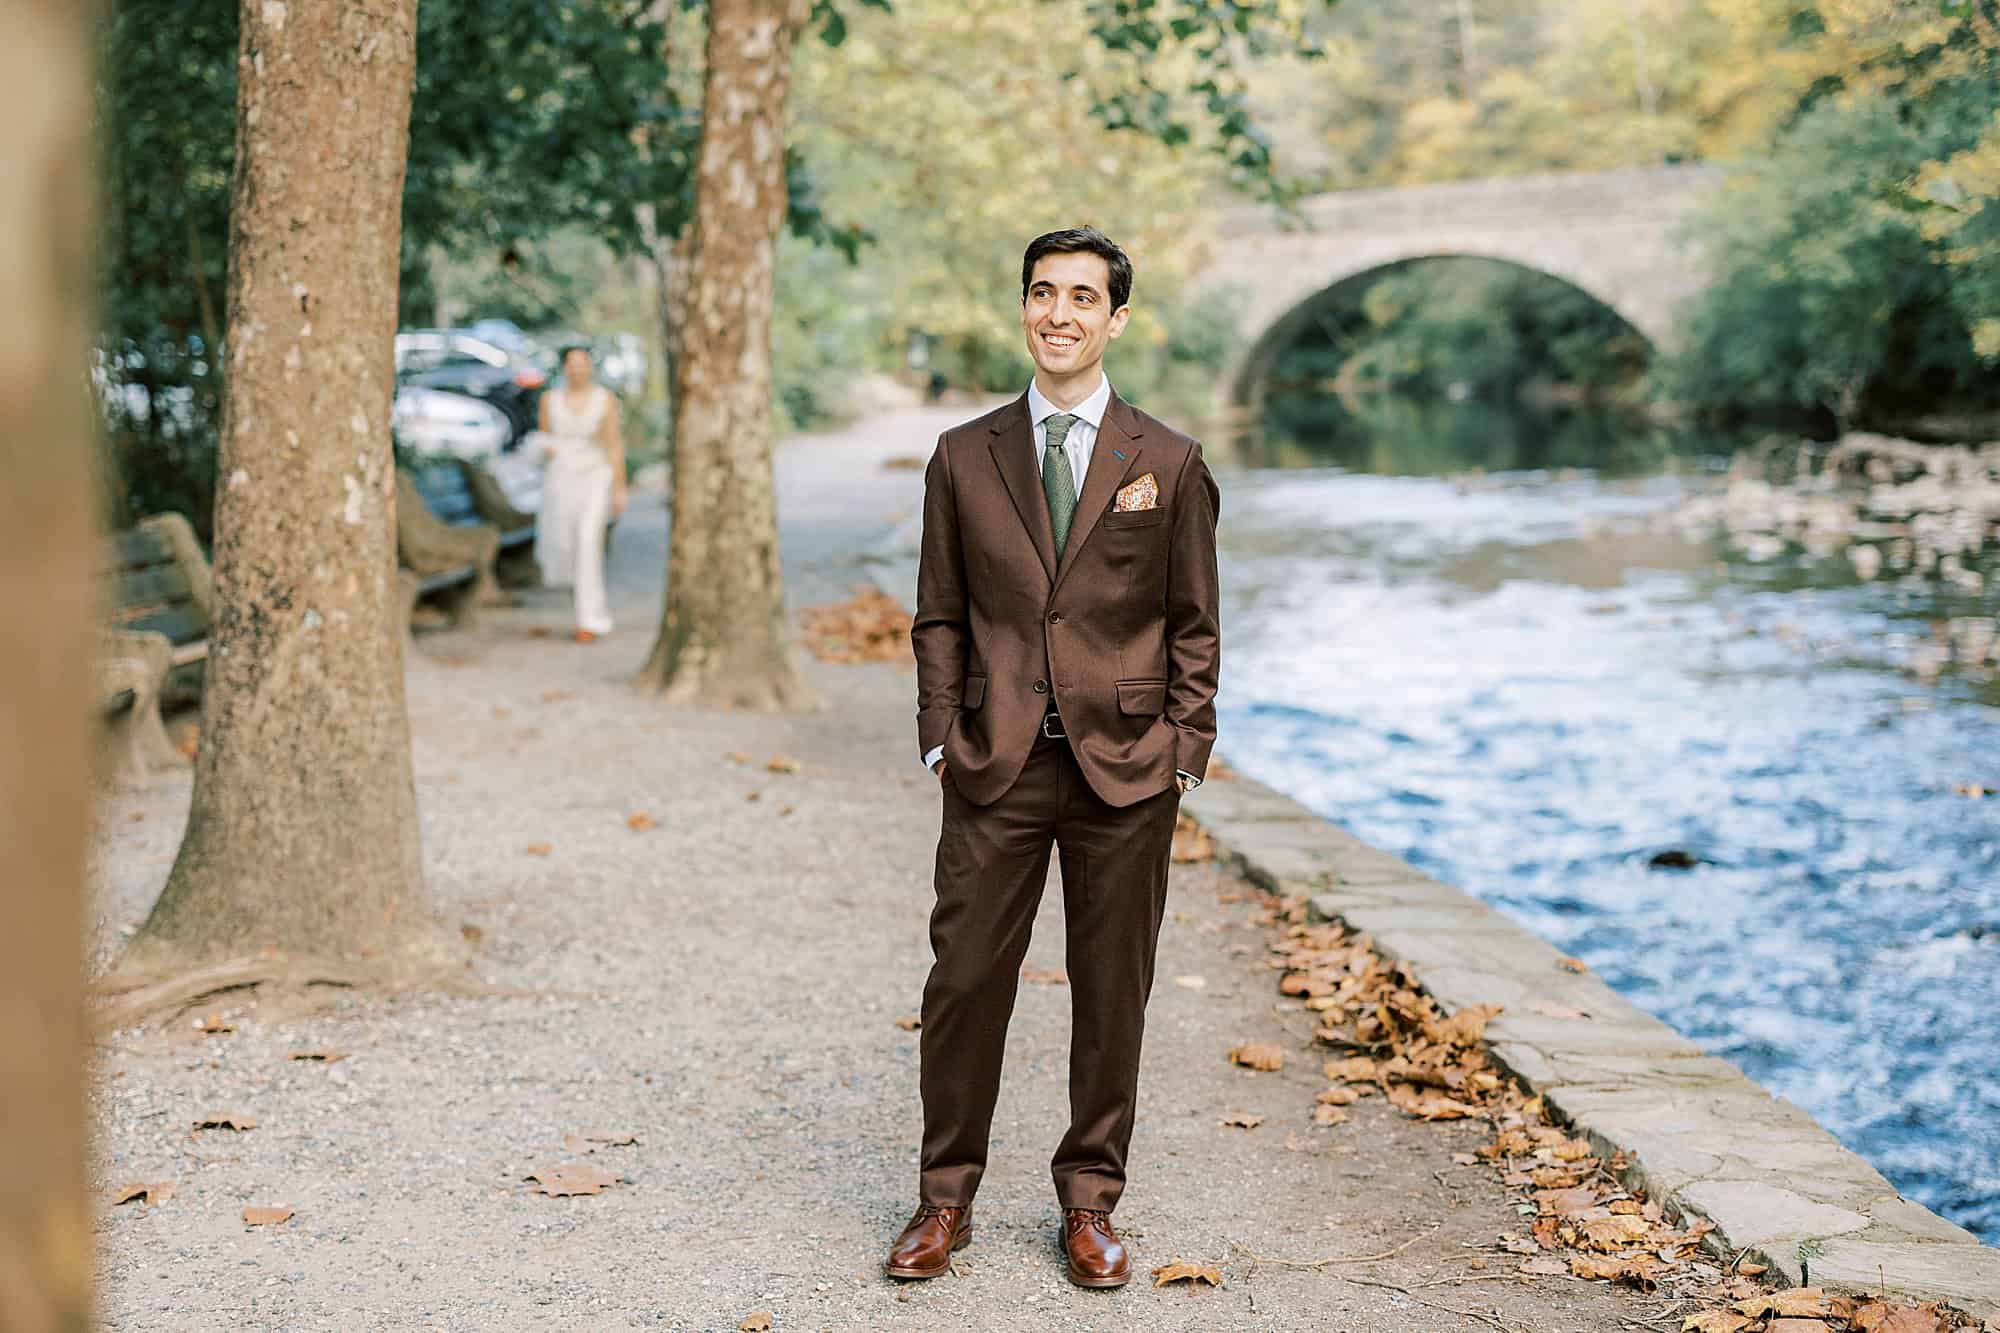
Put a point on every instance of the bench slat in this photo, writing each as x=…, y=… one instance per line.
x=132, y=548
x=181, y=624
x=446, y=578
x=150, y=585
x=447, y=495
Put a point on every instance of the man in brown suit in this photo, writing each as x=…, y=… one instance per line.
x=1067, y=652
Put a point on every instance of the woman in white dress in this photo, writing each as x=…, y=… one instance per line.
x=582, y=491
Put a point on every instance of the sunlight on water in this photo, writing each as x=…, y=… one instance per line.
x=1522, y=684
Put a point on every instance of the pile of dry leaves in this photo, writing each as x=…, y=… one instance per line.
x=870, y=626
x=1392, y=1039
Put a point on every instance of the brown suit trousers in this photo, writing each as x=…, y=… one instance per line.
x=1121, y=638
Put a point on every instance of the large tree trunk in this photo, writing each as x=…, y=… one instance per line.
x=723, y=637
x=303, y=833
x=47, y=598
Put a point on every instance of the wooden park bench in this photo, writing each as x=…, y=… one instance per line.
x=159, y=599
x=457, y=537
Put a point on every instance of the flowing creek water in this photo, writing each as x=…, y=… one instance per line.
x=1525, y=683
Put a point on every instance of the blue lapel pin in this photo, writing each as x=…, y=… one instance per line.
x=1118, y=454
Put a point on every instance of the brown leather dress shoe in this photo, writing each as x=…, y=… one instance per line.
x=925, y=1247
x=1096, y=1256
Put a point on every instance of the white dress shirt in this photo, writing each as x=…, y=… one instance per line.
x=1077, y=445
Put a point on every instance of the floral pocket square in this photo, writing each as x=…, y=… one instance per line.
x=1141, y=494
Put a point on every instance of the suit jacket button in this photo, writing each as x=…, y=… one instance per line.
x=1055, y=617
x=1041, y=687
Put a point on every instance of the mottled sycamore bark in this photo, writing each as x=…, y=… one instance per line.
x=303, y=831
x=723, y=637
x=47, y=597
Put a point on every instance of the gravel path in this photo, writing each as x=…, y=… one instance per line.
x=725, y=986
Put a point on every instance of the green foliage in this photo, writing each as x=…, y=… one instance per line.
x=1223, y=37
x=954, y=164
x=1828, y=290
x=163, y=248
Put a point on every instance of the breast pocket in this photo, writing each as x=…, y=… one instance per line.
x=1119, y=521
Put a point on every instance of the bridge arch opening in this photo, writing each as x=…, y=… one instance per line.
x=1443, y=364
x=1543, y=326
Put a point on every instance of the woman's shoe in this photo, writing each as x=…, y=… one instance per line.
x=585, y=636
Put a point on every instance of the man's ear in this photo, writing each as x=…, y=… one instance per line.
x=1117, y=324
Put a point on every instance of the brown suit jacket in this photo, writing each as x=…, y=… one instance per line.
x=1124, y=631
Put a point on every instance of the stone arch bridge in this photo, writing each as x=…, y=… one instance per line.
x=1615, y=235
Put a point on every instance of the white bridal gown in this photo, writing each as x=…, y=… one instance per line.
x=576, y=504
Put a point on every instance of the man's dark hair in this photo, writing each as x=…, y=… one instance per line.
x=1081, y=240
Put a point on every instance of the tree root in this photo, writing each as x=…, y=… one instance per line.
x=138, y=997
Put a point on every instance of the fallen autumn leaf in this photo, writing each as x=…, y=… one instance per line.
x=254, y=1216
x=1261, y=1055
x=870, y=626
x=1803, y=1302
x=1192, y=1274
x=157, y=1192
x=1191, y=841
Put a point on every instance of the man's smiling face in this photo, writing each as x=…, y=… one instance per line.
x=1067, y=314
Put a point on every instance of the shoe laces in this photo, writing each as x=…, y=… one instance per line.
x=1079, y=1218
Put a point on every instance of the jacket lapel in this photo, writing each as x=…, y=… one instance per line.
x=1013, y=447
x=1101, y=482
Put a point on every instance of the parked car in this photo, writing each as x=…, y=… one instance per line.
x=456, y=361
x=432, y=421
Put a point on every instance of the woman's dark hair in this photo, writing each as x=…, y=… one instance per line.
x=1081, y=240
x=562, y=357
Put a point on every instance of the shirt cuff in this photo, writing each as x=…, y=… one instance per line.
x=1192, y=780
x=937, y=753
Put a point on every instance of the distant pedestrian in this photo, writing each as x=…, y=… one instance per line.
x=583, y=491
x=1067, y=649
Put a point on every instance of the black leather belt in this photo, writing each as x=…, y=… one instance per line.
x=1052, y=727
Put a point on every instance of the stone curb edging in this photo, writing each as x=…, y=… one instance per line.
x=1701, y=1136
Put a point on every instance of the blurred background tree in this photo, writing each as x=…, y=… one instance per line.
x=957, y=162
x=1854, y=265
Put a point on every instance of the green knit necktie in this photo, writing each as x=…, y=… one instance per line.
x=1058, y=482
